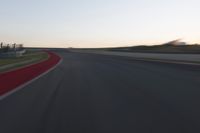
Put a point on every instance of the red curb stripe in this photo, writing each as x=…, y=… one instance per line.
x=12, y=79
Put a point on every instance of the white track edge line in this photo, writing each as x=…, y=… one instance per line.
x=29, y=82
x=169, y=62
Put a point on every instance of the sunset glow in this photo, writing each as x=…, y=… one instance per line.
x=98, y=23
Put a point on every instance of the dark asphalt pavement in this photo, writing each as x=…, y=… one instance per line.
x=91, y=93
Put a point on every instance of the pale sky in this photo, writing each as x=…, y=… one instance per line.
x=98, y=23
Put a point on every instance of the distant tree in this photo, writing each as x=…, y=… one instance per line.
x=1, y=45
x=14, y=46
x=20, y=46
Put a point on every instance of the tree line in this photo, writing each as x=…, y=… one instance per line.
x=5, y=47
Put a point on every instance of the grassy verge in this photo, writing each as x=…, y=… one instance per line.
x=29, y=58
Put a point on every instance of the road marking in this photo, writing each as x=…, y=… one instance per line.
x=168, y=61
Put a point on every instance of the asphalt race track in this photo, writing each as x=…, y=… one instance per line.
x=91, y=93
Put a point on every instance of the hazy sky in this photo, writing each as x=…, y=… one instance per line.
x=98, y=23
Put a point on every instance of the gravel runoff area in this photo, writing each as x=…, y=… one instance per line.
x=191, y=58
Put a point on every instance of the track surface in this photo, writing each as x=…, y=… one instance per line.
x=91, y=93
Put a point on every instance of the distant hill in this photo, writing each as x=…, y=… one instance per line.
x=177, y=42
x=172, y=47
